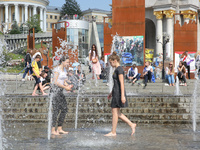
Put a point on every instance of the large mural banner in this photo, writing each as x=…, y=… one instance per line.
x=130, y=49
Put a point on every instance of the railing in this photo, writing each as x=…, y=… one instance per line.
x=17, y=36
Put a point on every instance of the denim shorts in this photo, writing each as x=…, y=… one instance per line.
x=37, y=80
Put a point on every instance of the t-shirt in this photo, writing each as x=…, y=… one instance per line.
x=28, y=58
x=35, y=67
x=62, y=75
x=132, y=72
x=39, y=64
x=146, y=69
x=94, y=54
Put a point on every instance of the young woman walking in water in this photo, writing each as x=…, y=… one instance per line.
x=59, y=101
x=118, y=96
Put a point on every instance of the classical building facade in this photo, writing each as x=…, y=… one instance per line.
x=160, y=17
x=22, y=10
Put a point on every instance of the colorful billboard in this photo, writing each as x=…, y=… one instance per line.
x=130, y=49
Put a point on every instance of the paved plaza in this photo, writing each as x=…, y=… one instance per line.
x=91, y=137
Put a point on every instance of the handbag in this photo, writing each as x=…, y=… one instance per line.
x=94, y=60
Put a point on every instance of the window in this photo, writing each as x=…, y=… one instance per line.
x=55, y=17
x=13, y=17
x=46, y=25
x=47, y=16
x=51, y=16
x=51, y=25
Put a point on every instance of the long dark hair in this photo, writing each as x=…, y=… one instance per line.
x=92, y=51
x=62, y=59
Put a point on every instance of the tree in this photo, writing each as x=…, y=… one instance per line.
x=71, y=7
x=34, y=22
x=15, y=28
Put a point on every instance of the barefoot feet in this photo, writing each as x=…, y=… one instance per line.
x=110, y=134
x=55, y=133
x=62, y=132
x=133, y=128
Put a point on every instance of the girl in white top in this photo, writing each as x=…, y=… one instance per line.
x=59, y=101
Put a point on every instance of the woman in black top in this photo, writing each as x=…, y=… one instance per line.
x=118, y=96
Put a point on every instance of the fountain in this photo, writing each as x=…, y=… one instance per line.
x=177, y=91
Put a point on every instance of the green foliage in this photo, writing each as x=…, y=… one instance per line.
x=34, y=22
x=1, y=33
x=71, y=7
x=15, y=28
x=15, y=56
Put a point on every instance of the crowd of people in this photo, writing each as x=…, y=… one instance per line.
x=43, y=76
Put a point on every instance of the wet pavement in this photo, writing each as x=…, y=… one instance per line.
x=33, y=136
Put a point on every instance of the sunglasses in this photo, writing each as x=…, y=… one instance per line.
x=170, y=64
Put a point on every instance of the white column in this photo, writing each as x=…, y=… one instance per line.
x=2, y=19
x=22, y=13
x=16, y=13
x=169, y=30
x=41, y=18
x=30, y=12
x=6, y=17
x=34, y=10
x=159, y=31
x=26, y=13
x=45, y=21
x=10, y=15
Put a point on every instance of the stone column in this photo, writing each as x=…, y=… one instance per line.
x=2, y=19
x=30, y=12
x=16, y=13
x=169, y=30
x=34, y=10
x=159, y=31
x=26, y=13
x=41, y=18
x=6, y=17
x=45, y=22
x=22, y=14
x=10, y=15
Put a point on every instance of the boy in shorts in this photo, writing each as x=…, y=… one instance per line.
x=36, y=76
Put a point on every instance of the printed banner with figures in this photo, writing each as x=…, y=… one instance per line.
x=149, y=55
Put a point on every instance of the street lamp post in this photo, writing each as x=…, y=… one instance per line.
x=165, y=41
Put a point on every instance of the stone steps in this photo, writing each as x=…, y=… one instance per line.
x=164, y=109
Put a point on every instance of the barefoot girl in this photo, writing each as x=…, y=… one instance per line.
x=59, y=101
x=118, y=96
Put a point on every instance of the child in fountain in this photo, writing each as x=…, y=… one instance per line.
x=58, y=98
x=118, y=95
x=36, y=75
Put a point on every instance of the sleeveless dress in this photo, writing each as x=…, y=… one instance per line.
x=116, y=92
x=95, y=67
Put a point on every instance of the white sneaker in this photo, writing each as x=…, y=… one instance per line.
x=23, y=79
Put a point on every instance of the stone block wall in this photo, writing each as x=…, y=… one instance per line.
x=161, y=110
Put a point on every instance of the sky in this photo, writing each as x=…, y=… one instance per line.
x=86, y=4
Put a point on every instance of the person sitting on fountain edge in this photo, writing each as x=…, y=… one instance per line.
x=133, y=74
x=147, y=73
x=36, y=75
x=48, y=72
x=182, y=73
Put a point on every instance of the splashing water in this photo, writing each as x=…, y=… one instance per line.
x=177, y=92
x=194, y=106
x=115, y=38
x=65, y=47
x=50, y=117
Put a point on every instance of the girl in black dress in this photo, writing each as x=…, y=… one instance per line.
x=118, y=96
